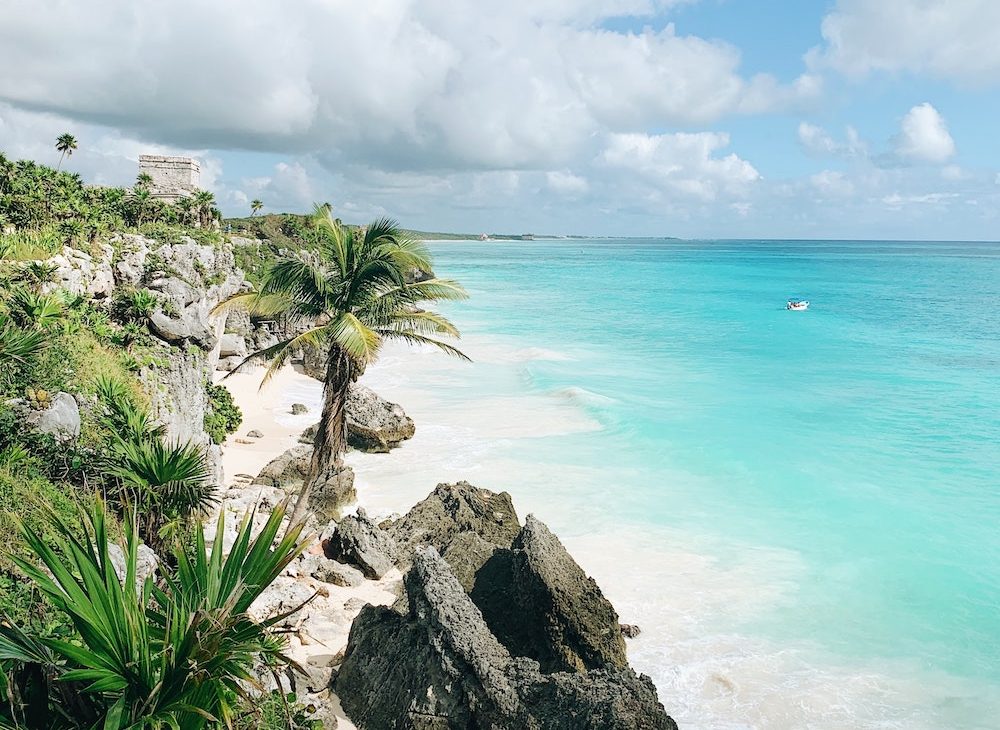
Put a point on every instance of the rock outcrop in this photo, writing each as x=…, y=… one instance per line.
x=373, y=423
x=61, y=419
x=287, y=471
x=358, y=541
x=541, y=604
x=437, y=666
x=332, y=492
x=465, y=523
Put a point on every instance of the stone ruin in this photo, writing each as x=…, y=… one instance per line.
x=173, y=177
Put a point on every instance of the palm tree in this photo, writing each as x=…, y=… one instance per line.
x=204, y=205
x=255, y=207
x=350, y=298
x=65, y=144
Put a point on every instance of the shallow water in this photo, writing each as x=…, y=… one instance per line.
x=799, y=508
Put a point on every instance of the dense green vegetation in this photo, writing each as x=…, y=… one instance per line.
x=80, y=648
x=42, y=209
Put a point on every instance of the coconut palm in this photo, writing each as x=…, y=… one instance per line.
x=255, y=207
x=65, y=144
x=347, y=300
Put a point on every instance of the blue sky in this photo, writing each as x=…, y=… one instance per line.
x=692, y=118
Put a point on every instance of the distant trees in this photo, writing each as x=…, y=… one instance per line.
x=65, y=144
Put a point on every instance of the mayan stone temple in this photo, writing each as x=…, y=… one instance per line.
x=173, y=177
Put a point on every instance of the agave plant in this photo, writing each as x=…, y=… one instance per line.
x=18, y=346
x=128, y=421
x=172, y=655
x=33, y=310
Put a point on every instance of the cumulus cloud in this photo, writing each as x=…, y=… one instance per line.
x=681, y=163
x=566, y=183
x=950, y=39
x=399, y=84
x=924, y=136
x=830, y=183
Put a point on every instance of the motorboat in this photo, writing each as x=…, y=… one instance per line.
x=797, y=305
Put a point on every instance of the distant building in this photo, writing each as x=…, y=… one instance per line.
x=173, y=177
x=527, y=236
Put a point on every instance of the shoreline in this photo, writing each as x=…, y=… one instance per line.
x=695, y=608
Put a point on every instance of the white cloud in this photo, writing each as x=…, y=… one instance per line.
x=896, y=201
x=397, y=84
x=924, y=136
x=830, y=183
x=566, y=183
x=682, y=163
x=950, y=39
x=818, y=141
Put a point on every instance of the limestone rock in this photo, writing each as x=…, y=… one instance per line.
x=453, y=509
x=298, y=409
x=541, y=604
x=435, y=665
x=283, y=595
x=373, y=423
x=359, y=542
x=287, y=471
x=61, y=419
x=330, y=571
x=147, y=563
x=232, y=345
x=191, y=325
x=255, y=434
x=466, y=554
x=332, y=491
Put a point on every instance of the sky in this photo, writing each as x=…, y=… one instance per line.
x=861, y=119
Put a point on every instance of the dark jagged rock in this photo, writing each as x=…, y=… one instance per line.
x=541, y=604
x=454, y=509
x=332, y=491
x=359, y=542
x=437, y=666
x=373, y=423
x=630, y=631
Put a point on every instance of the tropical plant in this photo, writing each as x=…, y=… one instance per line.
x=204, y=207
x=18, y=346
x=32, y=310
x=65, y=144
x=349, y=298
x=223, y=416
x=135, y=305
x=255, y=207
x=174, y=655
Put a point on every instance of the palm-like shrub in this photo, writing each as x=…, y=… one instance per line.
x=173, y=655
x=30, y=309
x=169, y=483
x=18, y=346
x=350, y=298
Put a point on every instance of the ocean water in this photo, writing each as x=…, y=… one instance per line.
x=800, y=509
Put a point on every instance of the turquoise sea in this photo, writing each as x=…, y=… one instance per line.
x=800, y=509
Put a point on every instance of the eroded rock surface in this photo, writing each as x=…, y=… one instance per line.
x=437, y=666
x=360, y=542
x=373, y=423
x=61, y=419
x=465, y=523
x=540, y=604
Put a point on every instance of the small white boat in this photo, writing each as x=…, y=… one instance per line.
x=797, y=305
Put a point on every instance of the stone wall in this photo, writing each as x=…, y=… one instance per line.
x=173, y=177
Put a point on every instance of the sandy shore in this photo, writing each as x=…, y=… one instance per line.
x=321, y=630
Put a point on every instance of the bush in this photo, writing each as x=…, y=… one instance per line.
x=223, y=416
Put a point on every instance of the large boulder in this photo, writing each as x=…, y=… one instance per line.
x=61, y=418
x=540, y=604
x=189, y=325
x=287, y=471
x=465, y=523
x=360, y=542
x=373, y=423
x=435, y=665
x=332, y=491
x=232, y=345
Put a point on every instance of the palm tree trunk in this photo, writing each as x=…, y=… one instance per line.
x=331, y=434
